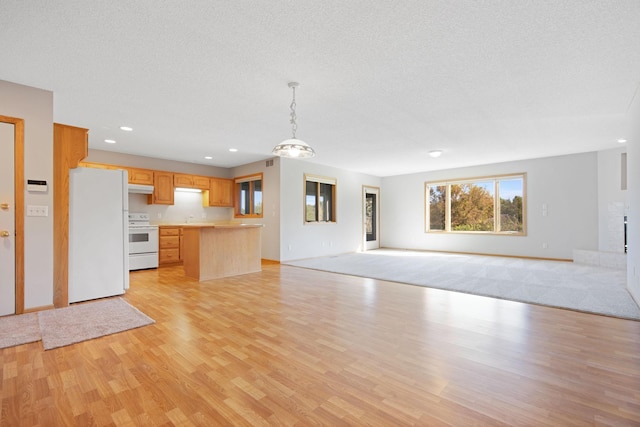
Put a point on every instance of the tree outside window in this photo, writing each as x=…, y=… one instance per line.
x=248, y=196
x=320, y=196
x=437, y=200
x=486, y=205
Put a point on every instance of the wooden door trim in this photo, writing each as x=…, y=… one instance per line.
x=18, y=160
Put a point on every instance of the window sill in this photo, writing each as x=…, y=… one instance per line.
x=479, y=233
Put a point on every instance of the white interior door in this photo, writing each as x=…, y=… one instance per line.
x=371, y=215
x=7, y=221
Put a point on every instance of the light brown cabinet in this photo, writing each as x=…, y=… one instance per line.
x=162, y=189
x=216, y=192
x=70, y=146
x=97, y=165
x=220, y=193
x=136, y=175
x=214, y=251
x=140, y=176
x=190, y=181
x=170, y=245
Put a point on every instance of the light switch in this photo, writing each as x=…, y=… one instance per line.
x=33, y=210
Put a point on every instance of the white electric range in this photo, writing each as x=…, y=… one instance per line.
x=143, y=242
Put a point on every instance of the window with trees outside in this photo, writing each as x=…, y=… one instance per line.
x=248, y=200
x=319, y=200
x=477, y=205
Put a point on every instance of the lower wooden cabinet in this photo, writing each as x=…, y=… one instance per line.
x=170, y=245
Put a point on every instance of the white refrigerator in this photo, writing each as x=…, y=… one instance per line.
x=98, y=233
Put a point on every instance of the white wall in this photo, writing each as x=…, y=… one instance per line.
x=270, y=205
x=633, y=197
x=566, y=184
x=35, y=106
x=300, y=240
x=612, y=201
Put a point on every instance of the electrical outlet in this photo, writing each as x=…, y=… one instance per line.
x=545, y=245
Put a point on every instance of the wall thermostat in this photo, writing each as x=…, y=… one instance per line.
x=37, y=185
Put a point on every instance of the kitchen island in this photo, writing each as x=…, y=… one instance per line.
x=212, y=251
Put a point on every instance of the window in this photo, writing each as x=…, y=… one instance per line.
x=483, y=205
x=319, y=199
x=249, y=196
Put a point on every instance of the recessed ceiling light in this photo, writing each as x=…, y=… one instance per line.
x=126, y=128
x=233, y=150
x=110, y=141
x=208, y=157
x=622, y=141
x=435, y=153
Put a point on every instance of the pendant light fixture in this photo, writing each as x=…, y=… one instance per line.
x=293, y=147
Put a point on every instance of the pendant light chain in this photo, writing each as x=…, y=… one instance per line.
x=293, y=148
x=294, y=125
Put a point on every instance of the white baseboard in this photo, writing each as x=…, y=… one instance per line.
x=617, y=260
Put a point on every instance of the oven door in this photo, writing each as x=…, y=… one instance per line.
x=143, y=240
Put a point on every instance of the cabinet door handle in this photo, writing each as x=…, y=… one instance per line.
x=4, y=233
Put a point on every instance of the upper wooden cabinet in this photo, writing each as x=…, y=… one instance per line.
x=140, y=176
x=190, y=181
x=162, y=189
x=98, y=165
x=136, y=175
x=216, y=192
x=220, y=193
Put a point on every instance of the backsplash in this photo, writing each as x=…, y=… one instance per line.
x=187, y=206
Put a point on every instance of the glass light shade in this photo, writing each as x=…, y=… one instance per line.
x=294, y=148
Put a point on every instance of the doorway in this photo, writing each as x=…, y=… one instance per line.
x=371, y=215
x=11, y=218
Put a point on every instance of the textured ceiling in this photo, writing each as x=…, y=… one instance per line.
x=381, y=82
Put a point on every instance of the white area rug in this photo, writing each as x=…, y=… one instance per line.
x=80, y=322
x=17, y=330
x=554, y=283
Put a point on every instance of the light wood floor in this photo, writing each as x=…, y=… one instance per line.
x=290, y=346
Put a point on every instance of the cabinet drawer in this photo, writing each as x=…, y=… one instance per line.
x=169, y=231
x=169, y=242
x=169, y=255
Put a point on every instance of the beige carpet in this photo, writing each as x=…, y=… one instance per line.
x=80, y=322
x=17, y=330
x=554, y=283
